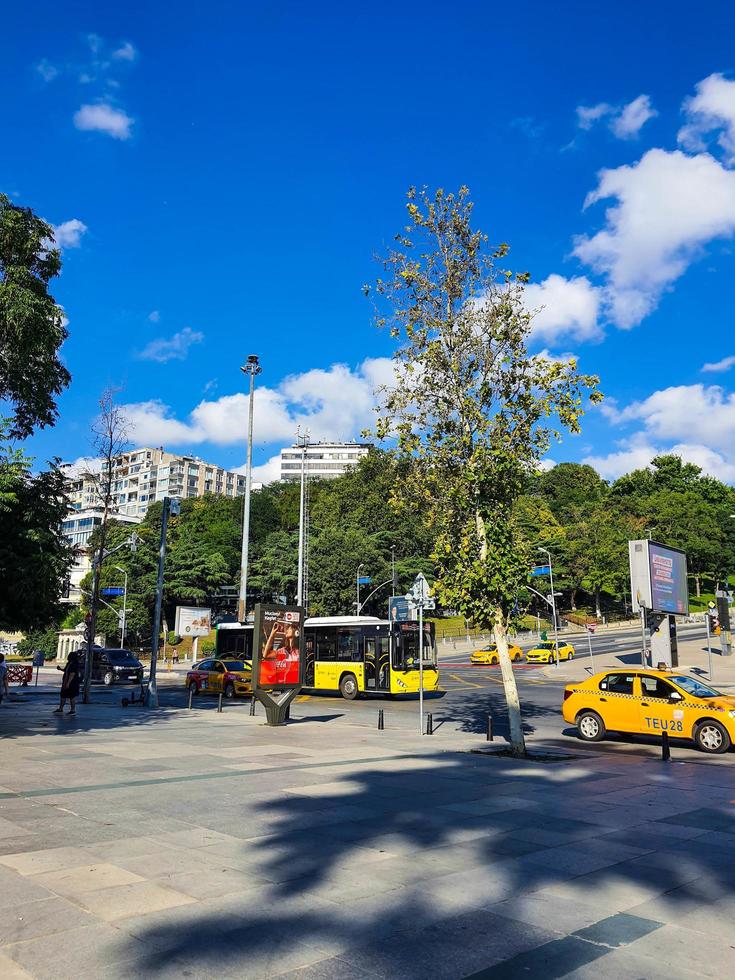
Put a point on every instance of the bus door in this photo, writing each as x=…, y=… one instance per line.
x=377, y=663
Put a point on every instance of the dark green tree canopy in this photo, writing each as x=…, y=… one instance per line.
x=31, y=324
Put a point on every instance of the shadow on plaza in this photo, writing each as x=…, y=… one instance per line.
x=470, y=713
x=364, y=874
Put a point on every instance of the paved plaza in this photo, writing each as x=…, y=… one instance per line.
x=199, y=844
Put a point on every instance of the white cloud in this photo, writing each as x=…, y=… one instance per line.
x=46, y=70
x=154, y=316
x=712, y=108
x=336, y=403
x=174, y=348
x=588, y=115
x=667, y=206
x=267, y=472
x=126, y=52
x=69, y=233
x=628, y=123
x=81, y=466
x=717, y=366
x=696, y=422
x=104, y=118
x=625, y=122
x=566, y=307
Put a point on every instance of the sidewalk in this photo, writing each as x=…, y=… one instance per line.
x=208, y=845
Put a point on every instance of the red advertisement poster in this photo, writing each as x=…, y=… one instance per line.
x=279, y=642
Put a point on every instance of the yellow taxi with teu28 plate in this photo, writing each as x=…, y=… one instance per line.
x=544, y=653
x=490, y=655
x=650, y=702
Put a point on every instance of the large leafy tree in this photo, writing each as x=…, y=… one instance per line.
x=31, y=324
x=34, y=556
x=471, y=409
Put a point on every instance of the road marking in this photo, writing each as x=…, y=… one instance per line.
x=303, y=697
x=456, y=677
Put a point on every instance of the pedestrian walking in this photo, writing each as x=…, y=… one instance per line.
x=69, y=684
x=3, y=677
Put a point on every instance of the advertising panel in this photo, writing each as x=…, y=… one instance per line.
x=193, y=621
x=669, y=585
x=640, y=575
x=401, y=609
x=277, y=660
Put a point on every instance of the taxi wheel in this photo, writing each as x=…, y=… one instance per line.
x=194, y=687
x=494, y=661
x=348, y=687
x=590, y=726
x=711, y=737
x=570, y=655
x=229, y=691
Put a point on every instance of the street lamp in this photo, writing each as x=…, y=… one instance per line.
x=553, y=606
x=125, y=605
x=357, y=578
x=251, y=368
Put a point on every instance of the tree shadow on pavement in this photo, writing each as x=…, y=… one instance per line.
x=447, y=865
x=470, y=713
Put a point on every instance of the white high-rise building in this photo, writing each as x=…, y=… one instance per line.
x=324, y=460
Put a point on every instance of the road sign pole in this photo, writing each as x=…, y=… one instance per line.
x=589, y=640
x=709, y=646
x=421, y=666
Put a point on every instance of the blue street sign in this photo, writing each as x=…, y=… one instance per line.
x=365, y=580
x=540, y=570
x=113, y=591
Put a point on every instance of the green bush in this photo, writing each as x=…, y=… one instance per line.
x=207, y=646
x=44, y=640
x=173, y=639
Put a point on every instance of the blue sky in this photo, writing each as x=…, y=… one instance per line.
x=222, y=175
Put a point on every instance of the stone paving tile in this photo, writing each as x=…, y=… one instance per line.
x=139, y=898
x=40, y=918
x=72, y=953
x=333, y=968
x=210, y=884
x=16, y=890
x=562, y=915
x=9, y=970
x=627, y=964
x=690, y=950
x=51, y=859
x=74, y=882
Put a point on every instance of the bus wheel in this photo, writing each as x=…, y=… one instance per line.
x=348, y=687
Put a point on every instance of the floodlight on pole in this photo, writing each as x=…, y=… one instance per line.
x=553, y=605
x=251, y=368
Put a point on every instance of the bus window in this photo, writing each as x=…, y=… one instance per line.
x=406, y=649
x=326, y=644
x=348, y=644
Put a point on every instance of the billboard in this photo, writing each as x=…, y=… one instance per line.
x=193, y=621
x=401, y=609
x=658, y=578
x=277, y=660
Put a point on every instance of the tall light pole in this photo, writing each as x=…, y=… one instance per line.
x=393, y=568
x=553, y=606
x=170, y=506
x=124, y=608
x=251, y=368
x=357, y=579
x=302, y=441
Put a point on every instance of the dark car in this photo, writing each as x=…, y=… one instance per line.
x=111, y=665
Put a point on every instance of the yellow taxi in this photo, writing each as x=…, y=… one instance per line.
x=228, y=677
x=649, y=702
x=490, y=655
x=544, y=653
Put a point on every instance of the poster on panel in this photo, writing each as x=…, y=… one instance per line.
x=277, y=645
x=193, y=621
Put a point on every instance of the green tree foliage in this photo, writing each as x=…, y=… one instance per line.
x=472, y=412
x=45, y=640
x=34, y=556
x=31, y=324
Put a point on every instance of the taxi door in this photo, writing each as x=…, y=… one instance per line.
x=617, y=701
x=216, y=677
x=660, y=707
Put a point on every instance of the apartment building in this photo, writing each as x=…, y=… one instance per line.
x=324, y=460
x=140, y=477
x=145, y=475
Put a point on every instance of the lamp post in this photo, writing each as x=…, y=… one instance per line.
x=553, y=605
x=125, y=606
x=357, y=580
x=170, y=506
x=302, y=441
x=251, y=368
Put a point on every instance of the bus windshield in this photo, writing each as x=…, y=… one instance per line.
x=406, y=648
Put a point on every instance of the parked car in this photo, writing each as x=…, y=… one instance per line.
x=228, y=677
x=111, y=665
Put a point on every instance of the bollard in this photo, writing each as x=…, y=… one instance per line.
x=665, y=750
x=191, y=697
x=253, y=702
x=219, y=703
x=381, y=721
x=429, y=724
x=489, y=728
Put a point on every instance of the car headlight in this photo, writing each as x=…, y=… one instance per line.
x=731, y=714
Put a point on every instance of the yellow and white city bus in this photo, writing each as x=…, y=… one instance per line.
x=352, y=654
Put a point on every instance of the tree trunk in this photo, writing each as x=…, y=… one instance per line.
x=598, y=611
x=698, y=585
x=574, y=599
x=517, y=741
